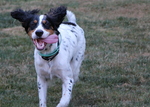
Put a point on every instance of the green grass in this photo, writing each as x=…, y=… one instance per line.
x=115, y=72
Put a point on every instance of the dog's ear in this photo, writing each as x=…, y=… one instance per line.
x=57, y=15
x=23, y=16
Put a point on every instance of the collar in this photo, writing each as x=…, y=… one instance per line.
x=52, y=54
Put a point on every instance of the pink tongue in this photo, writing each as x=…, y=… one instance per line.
x=51, y=39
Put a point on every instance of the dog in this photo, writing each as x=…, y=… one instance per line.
x=59, y=48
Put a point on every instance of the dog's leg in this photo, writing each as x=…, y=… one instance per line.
x=42, y=89
x=66, y=92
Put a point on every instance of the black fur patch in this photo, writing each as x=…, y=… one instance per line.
x=56, y=15
x=25, y=17
x=69, y=23
x=54, y=18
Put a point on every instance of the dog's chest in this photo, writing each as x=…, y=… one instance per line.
x=48, y=69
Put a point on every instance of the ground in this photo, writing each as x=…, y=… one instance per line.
x=115, y=71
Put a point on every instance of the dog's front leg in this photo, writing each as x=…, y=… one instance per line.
x=66, y=92
x=42, y=90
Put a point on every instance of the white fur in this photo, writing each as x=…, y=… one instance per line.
x=71, y=17
x=66, y=65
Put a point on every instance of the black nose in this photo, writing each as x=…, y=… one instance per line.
x=39, y=33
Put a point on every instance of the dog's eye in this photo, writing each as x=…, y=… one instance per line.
x=46, y=24
x=33, y=25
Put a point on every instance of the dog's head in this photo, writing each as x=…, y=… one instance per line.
x=39, y=27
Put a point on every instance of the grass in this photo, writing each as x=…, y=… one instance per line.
x=115, y=72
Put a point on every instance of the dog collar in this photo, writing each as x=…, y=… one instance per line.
x=52, y=54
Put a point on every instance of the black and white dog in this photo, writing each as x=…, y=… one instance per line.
x=59, y=48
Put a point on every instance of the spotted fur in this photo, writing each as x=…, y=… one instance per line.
x=66, y=65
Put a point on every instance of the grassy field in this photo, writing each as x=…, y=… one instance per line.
x=116, y=69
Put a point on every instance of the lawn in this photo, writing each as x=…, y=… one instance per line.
x=116, y=68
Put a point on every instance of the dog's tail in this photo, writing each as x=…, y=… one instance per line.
x=71, y=17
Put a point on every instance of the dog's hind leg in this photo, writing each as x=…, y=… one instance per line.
x=66, y=92
x=76, y=63
x=42, y=90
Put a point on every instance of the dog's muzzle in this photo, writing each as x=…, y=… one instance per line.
x=41, y=42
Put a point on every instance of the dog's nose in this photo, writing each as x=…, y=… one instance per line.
x=39, y=33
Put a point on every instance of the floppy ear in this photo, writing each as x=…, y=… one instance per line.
x=23, y=16
x=57, y=15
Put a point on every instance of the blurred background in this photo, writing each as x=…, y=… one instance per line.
x=116, y=68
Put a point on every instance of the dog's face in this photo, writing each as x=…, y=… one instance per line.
x=39, y=27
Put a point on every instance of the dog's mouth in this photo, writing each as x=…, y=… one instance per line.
x=41, y=43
